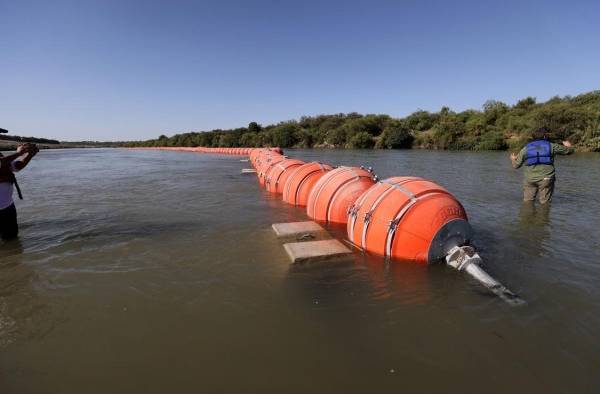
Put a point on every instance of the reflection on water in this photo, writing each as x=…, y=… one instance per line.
x=534, y=222
x=157, y=272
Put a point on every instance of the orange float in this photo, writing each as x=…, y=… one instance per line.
x=335, y=192
x=264, y=166
x=301, y=181
x=278, y=174
x=408, y=218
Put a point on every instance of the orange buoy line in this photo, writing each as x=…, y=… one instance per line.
x=401, y=218
x=333, y=194
x=408, y=218
x=301, y=182
x=279, y=173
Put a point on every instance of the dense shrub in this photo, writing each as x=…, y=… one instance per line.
x=361, y=140
x=491, y=141
x=285, y=135
x=396, y=135
x=248, y=139
x=337, y=137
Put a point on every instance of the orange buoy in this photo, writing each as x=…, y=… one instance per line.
x=335, y=192
x=278, y=174
x=265, y=165
x=300, y=183
x=408, y=218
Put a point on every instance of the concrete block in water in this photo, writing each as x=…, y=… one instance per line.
x=313, y=252
x=300, y=231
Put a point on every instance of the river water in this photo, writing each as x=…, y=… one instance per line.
x=158, y=272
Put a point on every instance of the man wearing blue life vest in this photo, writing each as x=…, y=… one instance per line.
x=538, y=158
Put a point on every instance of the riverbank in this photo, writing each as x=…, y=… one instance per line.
x=6, y=145
x=497, y=126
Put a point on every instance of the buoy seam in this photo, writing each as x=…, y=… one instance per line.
x=334, y=196
x=321, y=187
x=394, y=223
x=376, y=203
x=302, y=182
x=356, y=207
x=288, y=185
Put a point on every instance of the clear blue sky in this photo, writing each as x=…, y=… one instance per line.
x=116, y=70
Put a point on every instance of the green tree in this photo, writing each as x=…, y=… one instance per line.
x=337, y=137
x=361, y=140
x=254, y=127
x=562, y=120
x=285, y=134
x=447, y=132
x=397, y=136
x=248, y=139
x=228, y=140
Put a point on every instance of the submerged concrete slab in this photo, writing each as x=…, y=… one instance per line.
x=314, y=252
x=300, y=231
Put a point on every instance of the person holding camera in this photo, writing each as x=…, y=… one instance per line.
x=9, y=165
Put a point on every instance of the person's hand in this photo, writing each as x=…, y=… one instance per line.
x=567, y=144
x=33, y=149
x=22, y=148
x=513, y=156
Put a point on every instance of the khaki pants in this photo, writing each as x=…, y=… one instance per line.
x=542, y=189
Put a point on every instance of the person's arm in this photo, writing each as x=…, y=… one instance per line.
x=565, y=149
x=23, y=160
x=6, y=161
x=517, y=159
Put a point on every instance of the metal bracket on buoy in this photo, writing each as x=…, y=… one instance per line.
x=465, y=258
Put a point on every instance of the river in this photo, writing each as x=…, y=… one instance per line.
x=158, y=272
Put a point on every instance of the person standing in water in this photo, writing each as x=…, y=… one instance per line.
x=538, y=158
x=10, y=164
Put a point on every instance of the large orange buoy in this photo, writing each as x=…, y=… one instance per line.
x=265, y=165
x=335, y=192
x=300, y=183
x=408, y=218
x=277, y=175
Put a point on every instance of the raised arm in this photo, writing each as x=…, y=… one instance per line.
x=19, y=159
x=5, y=161
x=565, y=149
x=22, y=161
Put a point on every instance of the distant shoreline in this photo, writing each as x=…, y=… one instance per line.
x=12, y=145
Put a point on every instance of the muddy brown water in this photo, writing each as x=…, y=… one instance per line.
x=155, y=272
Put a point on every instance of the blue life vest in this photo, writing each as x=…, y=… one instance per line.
x=538, y=152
